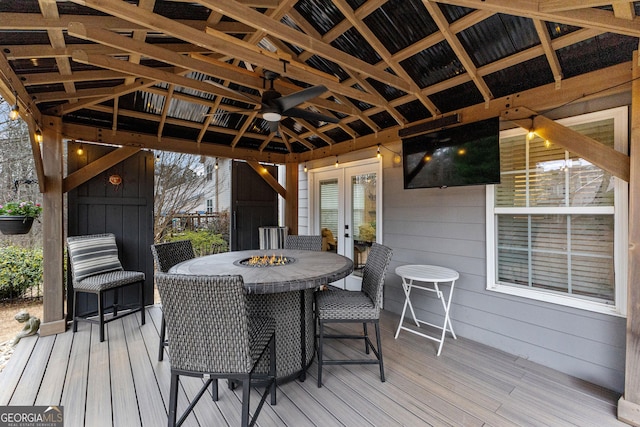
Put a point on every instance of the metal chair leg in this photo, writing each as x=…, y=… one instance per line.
x=163, y=331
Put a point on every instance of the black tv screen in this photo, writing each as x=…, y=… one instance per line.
x=463, y=155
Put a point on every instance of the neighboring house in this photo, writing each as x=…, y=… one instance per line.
x=216, y=192
x=563, y=302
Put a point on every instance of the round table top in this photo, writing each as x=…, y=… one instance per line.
x=309, y=269
x=427, y=273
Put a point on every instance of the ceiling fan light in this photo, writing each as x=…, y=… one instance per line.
x=271, y=117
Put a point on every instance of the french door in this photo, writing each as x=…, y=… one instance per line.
x=345, y=206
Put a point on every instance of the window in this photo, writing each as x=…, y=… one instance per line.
x=209, y=206
x=557, y=224
x=209, y=169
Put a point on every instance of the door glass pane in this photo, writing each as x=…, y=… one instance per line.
x=363, y=217
x=329, y=213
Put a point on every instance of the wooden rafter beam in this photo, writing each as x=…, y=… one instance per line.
x=564, y=5
x=251, y=17
x=35, y=22
x=267, y=177
x=588, y=18
x=458, y=49
x=169, y=27
x=614, y=162
x=151, y=142
x=100, y=165
x=624, y=10
x=550, y=53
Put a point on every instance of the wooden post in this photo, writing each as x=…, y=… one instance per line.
x=53, y=321
x=291, y=201
x=629, y=403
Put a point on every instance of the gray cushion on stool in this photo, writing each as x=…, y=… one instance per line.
x=109, y=280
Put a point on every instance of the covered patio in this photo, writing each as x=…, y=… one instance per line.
x=194, y=77
x=122, y=383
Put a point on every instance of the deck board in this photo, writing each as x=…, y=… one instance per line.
x=121, y=383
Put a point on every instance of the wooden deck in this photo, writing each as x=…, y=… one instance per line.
x=120, y=382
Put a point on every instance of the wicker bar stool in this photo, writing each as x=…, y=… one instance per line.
x=212, y=337
x=342, y=306
x=303, y=242
x=96, y=269
x=166, y=255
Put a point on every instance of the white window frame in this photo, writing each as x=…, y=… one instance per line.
x=620, y=212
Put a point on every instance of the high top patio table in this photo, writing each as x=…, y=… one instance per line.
x=284, y=292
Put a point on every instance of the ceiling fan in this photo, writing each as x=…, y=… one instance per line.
x=274, y=106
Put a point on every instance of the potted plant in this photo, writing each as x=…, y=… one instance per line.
x=17, y=217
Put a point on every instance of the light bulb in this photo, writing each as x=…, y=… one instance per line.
x=216, y=165
x=14, y=113
x=38, y=136
x=80, y=150
x=531, y=135
x=305, y=167
x=337, y=162
x=378, y=155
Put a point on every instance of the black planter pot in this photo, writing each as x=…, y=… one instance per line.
x=15, y=224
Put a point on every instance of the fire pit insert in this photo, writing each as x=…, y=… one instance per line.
x=264, y=261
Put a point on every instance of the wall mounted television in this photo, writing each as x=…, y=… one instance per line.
x=463, y=155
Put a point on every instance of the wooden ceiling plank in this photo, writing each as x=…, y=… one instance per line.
x=79, y=76
x=139, y=35
x=283, y=32
x=41, y=51
x=551, y=6
x=284, y=132
x=589, y=18
x=49, y=9
x=173, y=28
x=240, y=133
x=36, y=22
x=382, y=51
x=153, y=73
x=12, y=89
x=624, y=10
x=550, y=53
x=458, y=49
x=114, y=120
x=165, y=109
x=131, y=139
x=267, y=141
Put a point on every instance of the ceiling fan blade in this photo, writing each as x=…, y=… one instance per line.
x=294, y=99
x=310, y=115
x=253, y=99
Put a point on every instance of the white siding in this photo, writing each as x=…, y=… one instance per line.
x=447, y=227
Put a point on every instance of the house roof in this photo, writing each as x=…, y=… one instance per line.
x=140, y=72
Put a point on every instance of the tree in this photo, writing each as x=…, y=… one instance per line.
x=179, y=188
x=18, y=179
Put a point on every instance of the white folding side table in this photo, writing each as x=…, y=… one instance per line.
x=428, y=274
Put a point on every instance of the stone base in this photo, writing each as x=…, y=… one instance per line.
x=629, y=412
x=52, y=328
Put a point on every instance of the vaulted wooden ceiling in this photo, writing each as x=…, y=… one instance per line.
x=135, y=72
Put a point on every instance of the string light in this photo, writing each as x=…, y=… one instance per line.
x=216, y=165
x=337, y=162
x=531, y=133
x=15, y=111
x=378, y=155
x=80, y=150
x=38, y=136
x=305, y=167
